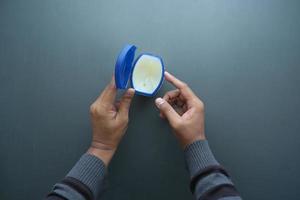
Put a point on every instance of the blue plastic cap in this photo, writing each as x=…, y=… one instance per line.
x=124, y=65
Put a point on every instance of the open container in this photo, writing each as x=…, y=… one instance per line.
x=146, y=73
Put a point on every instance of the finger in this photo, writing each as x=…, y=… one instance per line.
x=167, y=110
x=109, y=93
x=171, y=94
x=125, y=103
x=185, y=90
x=178, y=102
x=117, y=104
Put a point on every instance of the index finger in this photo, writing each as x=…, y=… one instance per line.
x=184, y=89
x=109, y=93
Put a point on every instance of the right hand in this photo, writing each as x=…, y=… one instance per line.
x=184, y=111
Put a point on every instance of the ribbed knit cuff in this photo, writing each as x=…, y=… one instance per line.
x=91, y=171
x=198, y=156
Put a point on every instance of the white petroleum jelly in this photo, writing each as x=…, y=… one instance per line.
x=147, y=74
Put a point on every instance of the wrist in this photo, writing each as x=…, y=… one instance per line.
x=102, y=151
x=186, y=142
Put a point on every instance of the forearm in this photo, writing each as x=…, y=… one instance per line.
x=83, y=182
x=209, y=180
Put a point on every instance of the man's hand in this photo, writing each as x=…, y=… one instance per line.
x=184, y=111
x=109, y=121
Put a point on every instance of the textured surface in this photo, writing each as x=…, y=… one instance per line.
x=242, y=57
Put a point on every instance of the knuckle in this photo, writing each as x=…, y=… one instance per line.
x=93, y=109
x=201, y=105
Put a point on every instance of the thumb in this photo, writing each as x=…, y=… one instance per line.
x=167, y=110
x=125, y=103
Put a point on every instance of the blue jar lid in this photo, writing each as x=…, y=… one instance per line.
x=124, y=65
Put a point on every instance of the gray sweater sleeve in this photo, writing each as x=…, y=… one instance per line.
x=83, y=182
x=209, y=180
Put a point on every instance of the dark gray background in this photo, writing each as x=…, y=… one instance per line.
x=241, y=57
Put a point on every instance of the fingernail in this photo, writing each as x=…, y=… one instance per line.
x=131, y=91
x=167, y=73
x=159, y=101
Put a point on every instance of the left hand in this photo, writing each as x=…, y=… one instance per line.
x=109, y=121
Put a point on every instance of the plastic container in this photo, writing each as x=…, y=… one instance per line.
x=145, y=74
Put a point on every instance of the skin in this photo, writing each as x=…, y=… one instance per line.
x=183, y=110
x=109, y=121
x=180, y=107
